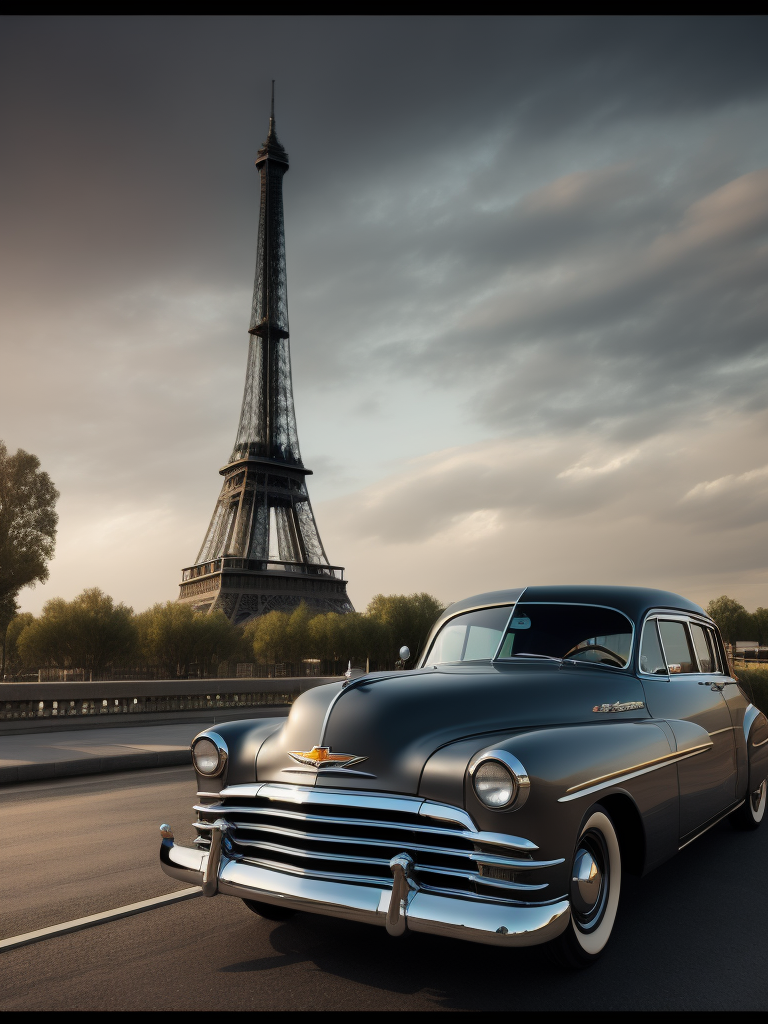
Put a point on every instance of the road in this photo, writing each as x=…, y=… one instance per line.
x=690, y=936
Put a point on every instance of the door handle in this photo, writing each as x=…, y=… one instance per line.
x=711, y=684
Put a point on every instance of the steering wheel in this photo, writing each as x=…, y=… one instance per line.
x=603, y=650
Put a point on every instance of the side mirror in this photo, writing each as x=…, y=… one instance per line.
x=404, y=654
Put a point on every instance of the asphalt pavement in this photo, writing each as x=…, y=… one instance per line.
x=692, y=935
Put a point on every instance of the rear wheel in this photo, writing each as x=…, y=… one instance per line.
x=595, y=885
x=752, y=811
x=269, y=910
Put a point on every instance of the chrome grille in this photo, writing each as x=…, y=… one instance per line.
x=351, y=837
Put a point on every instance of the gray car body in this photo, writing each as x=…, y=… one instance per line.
x=664, y=778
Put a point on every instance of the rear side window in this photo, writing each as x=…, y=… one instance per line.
x=651, y=658
x=702, y=641
x=717, y=661
x=677, y=646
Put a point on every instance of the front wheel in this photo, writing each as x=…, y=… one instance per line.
x=594, y=893
x=752, y=811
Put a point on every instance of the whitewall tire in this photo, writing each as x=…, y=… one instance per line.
x=595, y=886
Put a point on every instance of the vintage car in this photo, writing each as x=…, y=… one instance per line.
x=550, y=739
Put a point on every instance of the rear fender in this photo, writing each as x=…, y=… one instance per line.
x=756, y=728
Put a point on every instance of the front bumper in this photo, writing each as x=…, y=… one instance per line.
x=399, y=908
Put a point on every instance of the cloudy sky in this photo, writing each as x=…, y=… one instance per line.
x=527, y=277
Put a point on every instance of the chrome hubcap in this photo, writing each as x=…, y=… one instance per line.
x=589, y=881
x=586, y=881
x=756, y=798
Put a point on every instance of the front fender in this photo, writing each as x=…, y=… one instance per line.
x=570, y=768
x=243, y=739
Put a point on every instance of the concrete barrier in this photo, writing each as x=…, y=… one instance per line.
x=34, y=707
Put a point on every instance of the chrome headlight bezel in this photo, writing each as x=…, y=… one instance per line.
x=519, y=776
x=223, y=754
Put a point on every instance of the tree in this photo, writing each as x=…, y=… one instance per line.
x=174, y=636
x=270, y=637
x=13, y=658
x=8, y=610
x=27, y=521
x=760, y=618
x=734, y=620
x=90, y=632
x=407, y=620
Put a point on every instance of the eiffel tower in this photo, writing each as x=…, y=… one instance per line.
x=262, y=550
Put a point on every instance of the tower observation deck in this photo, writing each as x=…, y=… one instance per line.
x=262, y=551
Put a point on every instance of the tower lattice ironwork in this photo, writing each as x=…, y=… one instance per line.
x=262, y=550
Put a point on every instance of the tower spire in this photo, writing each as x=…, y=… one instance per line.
x=264, y=506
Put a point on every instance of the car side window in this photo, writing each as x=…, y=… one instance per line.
x=702, y=642
x=651, y=658
x=717, y=658
x=677, y=646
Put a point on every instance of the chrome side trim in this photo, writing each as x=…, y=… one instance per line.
x=760, y=744
x=586, y=788
x=728, y=728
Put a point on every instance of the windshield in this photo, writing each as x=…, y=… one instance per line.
x=582, y=633
x=473, y=636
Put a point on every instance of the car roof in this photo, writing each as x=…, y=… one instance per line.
x=633, y=601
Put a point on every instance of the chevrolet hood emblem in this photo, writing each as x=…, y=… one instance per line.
x=321, y=757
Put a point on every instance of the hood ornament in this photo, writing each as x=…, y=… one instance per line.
x=321, y=757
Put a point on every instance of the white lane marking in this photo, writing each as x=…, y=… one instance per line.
x=94, y=919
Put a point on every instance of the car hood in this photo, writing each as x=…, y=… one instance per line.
x=394, y=722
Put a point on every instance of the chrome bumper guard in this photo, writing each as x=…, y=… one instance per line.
x=403, y=907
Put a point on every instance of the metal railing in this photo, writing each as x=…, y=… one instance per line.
x=216, y=565
x=25, y=710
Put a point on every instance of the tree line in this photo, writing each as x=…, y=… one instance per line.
x=94, y=634
x=736, y=623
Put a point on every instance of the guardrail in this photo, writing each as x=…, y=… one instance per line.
x=30, y=701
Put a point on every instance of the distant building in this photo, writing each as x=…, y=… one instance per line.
x=262, y=550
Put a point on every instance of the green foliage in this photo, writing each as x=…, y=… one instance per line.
x=735, y=622
x=760, y=619
x=175, y=636
x=377, y=635
x=27, y=521
x=89, y=632
x=11, y=624
x=405, y=620
x=755, y=682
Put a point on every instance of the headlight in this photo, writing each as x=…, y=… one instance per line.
x=208, y=758
x=495, y=785
x=499, y=779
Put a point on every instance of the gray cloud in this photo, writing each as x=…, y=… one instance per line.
x=513, y=235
